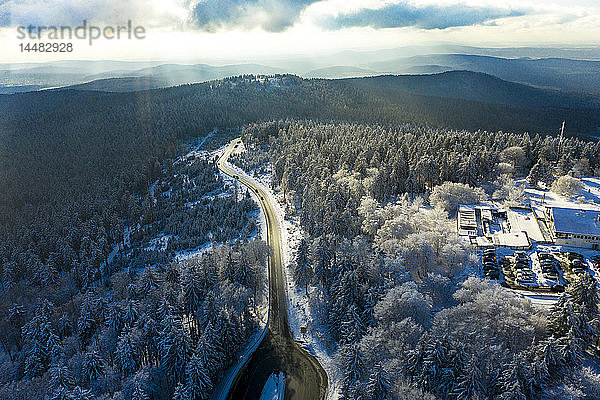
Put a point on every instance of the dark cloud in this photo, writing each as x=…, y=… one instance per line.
x=427, y=17
x=271, y=15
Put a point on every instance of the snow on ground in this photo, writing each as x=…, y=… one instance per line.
x=587, y=199
x=300, y=313
x=274, y=388
x=158, y=243
x=222, y=389
x=152, y=190
x=543, y=298
x=187, y=254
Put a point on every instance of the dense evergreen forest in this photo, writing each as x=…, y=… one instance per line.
x=95, y=203
x=95, y=303
x=388, y=271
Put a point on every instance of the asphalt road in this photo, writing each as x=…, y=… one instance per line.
x=304, y=377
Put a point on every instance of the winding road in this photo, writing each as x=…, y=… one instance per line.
x=278, y=352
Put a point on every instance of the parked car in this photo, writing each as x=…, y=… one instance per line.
x=489, y=266
x=521, y=264
x=521, y=255
x=550, y=274
x=545, y=256
x=525, y=277
x=507, y=269
x=577, y=266
x=548, y=265
x=489, y=254
x=495, y=275
x=552, y=282
x=547, y=268
x=572, y=256
x=596, y=261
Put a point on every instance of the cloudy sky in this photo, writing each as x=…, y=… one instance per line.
x=245, y=30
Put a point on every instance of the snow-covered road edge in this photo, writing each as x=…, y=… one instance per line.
x=298, y=316
x=221, y=390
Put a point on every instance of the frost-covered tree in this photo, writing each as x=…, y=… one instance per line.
x=131, y=313
x=352, y=325
x=245, y=274
x=583, y=290
x=139, y=394
x=322, y=258
x=401, y=302
x=353, y=364
x=540, y=172
x=174, y=348
x=571, y=348
x=42, y=344
x=207, y=351
x=93, y=365
x=60, y=377
x=198, y=385
x=303, y=270
x=148, y=280
x=567, y=186
x=378, y=385
x=79, y=393
x=193, y=292
x=449, y=195
x=127, y=352
x=116, y=317
x=516, y=157
x=582, y=168
x=470, y=384
x=515, y=382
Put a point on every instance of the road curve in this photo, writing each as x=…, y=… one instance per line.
x=304, y=377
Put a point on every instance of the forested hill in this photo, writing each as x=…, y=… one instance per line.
x=481, y=87
x=459, y=100
x=45, y=136
x=76, y=168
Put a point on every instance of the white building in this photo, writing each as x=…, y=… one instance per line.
x=575, y=227
x=488, y=225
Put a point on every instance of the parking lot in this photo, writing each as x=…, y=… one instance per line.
x=543, y=269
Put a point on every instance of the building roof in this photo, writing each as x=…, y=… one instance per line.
x=518, y=240
x=576, y=222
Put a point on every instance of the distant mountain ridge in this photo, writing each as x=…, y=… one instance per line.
x=384, y=100
x=465, y=85
x=556, y=73
x=562, y=69
x=339, y=72
x=177, y=74
x=481, y=87
x=151, y=76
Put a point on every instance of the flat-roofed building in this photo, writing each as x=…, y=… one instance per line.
x=466, y=221
x=575, y=227
x=488, y=225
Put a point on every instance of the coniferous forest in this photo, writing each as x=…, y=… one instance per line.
x=97, y=199
x=389, y=273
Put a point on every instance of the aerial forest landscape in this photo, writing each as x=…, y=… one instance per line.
x=251, y=199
